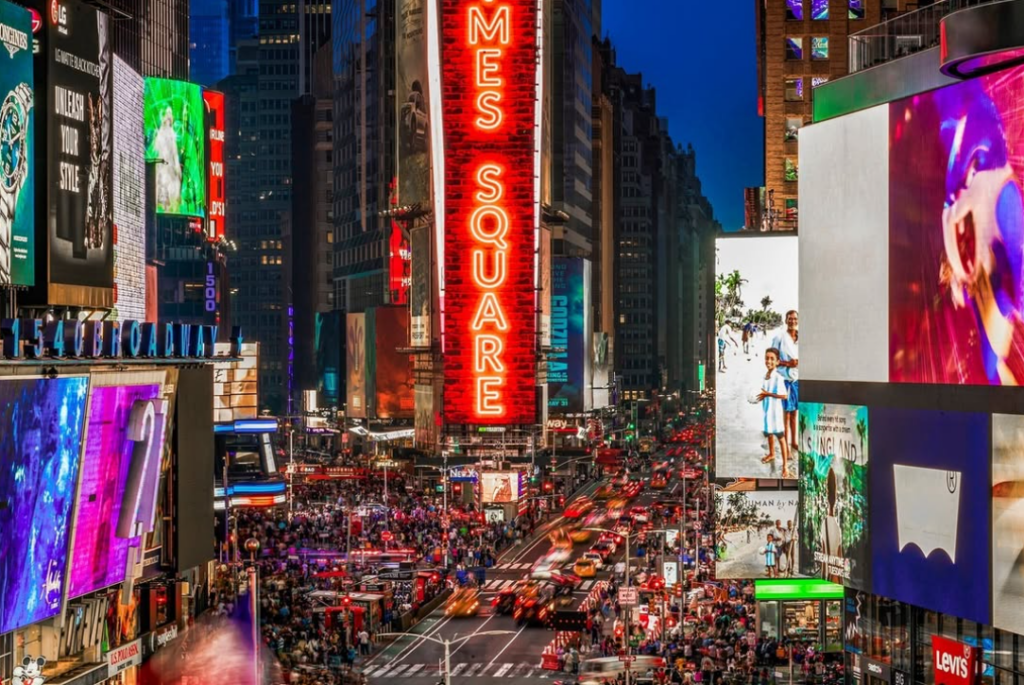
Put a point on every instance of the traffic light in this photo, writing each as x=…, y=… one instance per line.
x=456, y=488
x=346, y=601
x=548, y=486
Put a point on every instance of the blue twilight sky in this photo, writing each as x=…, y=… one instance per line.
x=700, y=55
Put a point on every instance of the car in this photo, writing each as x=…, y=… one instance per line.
x=608, y=669
x=605, y=549
x=624, y=525
x=464, y=603
x=538, y=606
x=585, y=568
x=617, y=503
x=604, y=492
x=579, y=535
x=578, y=508
x=609, y=536
x=559, y=539
x=504, y=602
x=659, y=482
x=639, y=514
x=596, y=557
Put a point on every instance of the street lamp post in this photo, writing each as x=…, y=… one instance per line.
x=291, y=472
x=446, y=643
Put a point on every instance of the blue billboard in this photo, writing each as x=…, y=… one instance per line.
x=569, y=360
x=929, y=493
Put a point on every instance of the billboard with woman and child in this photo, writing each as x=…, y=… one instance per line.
x=757, y=534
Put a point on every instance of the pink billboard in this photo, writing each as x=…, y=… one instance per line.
x=99, y=555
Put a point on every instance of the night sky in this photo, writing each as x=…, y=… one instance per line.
x=700, y=56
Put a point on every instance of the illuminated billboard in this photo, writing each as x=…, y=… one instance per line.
x=499, y=487
x=833, y=454
x=420, y=291
x=17, y=149
x=757, y=534
x=75, y=65
x=569, y=360
x=393, y=380
x=956, y=252
x=114, y=438
x=216, y=190
x=490, y=66
x=757, y=354
x=236, y=384
x=129, y=234
x=355, y=365
x=176, y=143
x=413, y=99
x=1007, y=522
x=41, y=423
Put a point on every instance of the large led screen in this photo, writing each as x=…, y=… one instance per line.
x=500, y=487
x=757, y=355
x=129, y=233
x=17, y=149
x=957, y=234
x=41, y=424
x=489, y=70
x=79, y=160
x=568, y=362
x=1008, y=522
x=413, y=106
x=217, y=196
x=394, y=383
x=833, y=454
x=99, y=555
x=175, y=142
x=929, y=520
x=757, y=534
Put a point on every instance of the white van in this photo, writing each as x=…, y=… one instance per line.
x=606, y=669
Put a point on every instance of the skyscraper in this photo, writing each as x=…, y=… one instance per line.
x=209, y=41
x=151, y=35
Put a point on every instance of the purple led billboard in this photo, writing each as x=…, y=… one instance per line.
x=40, y=438
x=99, y=556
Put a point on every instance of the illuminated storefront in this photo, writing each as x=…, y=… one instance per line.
x=801, y=609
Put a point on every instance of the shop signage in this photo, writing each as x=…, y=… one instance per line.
x=628, y=596
x=876, y=669
x=165, y=635
x=124, y=657
x=36, y=339
x=955, y=663
x=899, y=677
x=458, y=475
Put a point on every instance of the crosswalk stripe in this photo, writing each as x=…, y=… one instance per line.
x=379, y=671
x=398, y=669
x=483, y=671
x=529, y=673
x=503, y=670
x=517, y=670
x=492, y=584
x=473, y=668
x=411, y=671
x=586, y=584
x=458, y=669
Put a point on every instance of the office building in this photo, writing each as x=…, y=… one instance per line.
x=151, y=35
x=209, y=41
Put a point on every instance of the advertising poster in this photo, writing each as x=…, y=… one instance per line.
x=41, y=422
x=328, y=358
x=569, y=353
x=216, y=190
x=491, y=199
x=956, y=253
x=236, y=384
x=602, y=373
x=833, y=455
x=355, y=365
x=857, y=631
x=1008, y=522
x=176, y=142
x=413, y=104
x=80, y=165
x=545, y=287
x=929, y=520
x=17, y=148
x=399, y=264
x=499, y=487
x=419, y=296
x=394, y=386
x=129, y=234
x=758, y=358
x=99, y=556
x=756, y=534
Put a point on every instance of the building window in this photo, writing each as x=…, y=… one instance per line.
x=794, y=48
x=795, y=10
x=855, y=9
x=793, y=125
x=790, y=170
x=819, y=9
x=819, y=47
x=794, y=89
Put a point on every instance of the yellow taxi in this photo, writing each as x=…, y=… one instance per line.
x=659, y=482
x=465, y=602
x=579, y=535
x=560, y=540
x=604, y=492
x=585, y=568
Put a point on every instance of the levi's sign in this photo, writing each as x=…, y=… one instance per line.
x=490, y=61
x=955, y=663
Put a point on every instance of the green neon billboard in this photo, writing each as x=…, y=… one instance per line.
x=796, y=588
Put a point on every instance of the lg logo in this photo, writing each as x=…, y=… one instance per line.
x=59, y=16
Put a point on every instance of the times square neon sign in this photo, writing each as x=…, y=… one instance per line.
x=490, y=101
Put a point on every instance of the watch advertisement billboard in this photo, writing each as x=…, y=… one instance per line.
x=79, y=204
x=99, y=555
x=129, y=234
x=1008, y=522
x=833, y=531
x=756, y=534
x=17, y=148
x=500, y=487
x=41, y=424
x=758, y=353
x=489, y=69
x=412, y=97
x=929, y=518
x=216, y=190
x=355, y=365
x=393, y=372
x=568, y=361
x=956, y=233
x=176, y=143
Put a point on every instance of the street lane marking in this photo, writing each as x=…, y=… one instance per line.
x=398, y=669
x=458, y=669
x=473, y=668
x=503, y=670
x=585, y=585
x=412, y=670
x=507, y=645
x=517, y=670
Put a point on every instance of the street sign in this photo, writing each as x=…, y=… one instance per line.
x=387, y=536
x=628, y=596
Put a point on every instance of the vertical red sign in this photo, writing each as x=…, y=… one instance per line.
x=955, y=663
x=215, y=197
x=489, y=70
